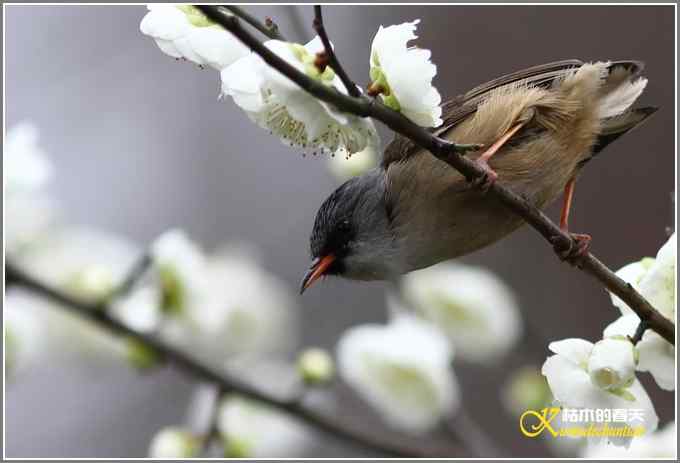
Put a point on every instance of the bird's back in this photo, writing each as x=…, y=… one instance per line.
x=436, y=216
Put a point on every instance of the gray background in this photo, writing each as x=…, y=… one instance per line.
x=141, y=144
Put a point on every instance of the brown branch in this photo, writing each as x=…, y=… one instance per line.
x=330, y=54
x=99, y=314
x=447, y=151
x=268, y=28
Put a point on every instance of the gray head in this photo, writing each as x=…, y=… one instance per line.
x=351, y=236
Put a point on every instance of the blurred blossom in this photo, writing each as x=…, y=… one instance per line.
x=183, y=31
x=25, y=164
x=180, y=267
x=575, y=383
x=280, y=106
x=471, y=305
x=85, y=263
x=526, y=389
x=403, y=75
x=28, y=211
x=174, y=442
x=39, y=330
x=655, y=280
x=140, y=309
x=252, y=429
x=243, y=309
x=25, y=340
x=660, y=444
x=345, y=167
x=403, y=369
x=315, y=366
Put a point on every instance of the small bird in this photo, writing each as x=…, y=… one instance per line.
x=538, y=128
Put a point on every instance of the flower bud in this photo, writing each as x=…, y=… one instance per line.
x=93, y=283
x=316, y=366
x=611, y=364
x=174, y=442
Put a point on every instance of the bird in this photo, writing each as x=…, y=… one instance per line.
x=537, y=129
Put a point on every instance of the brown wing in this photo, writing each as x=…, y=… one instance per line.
x=459, y=108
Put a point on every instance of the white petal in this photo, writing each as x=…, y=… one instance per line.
x=631, y=273
x=575, y=350
x=216, y=47
x=475, y=309
x=173, y=443
x=391, y=41
x=657, y=356
x=612, y=363
x=658, y=284
x=402, y=369
x=140, y=310
x=344, y=168
x=625, y=325
x=165, y=22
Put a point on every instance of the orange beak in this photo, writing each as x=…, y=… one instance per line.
x=316, y=270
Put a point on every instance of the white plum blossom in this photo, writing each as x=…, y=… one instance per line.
x=279, y=105
x=241, y=308
x=403, y=369
x=655, y=354
x=25, y=331
x=85, y=263
x=180, y=267
x=174, y=442
x=403, y=75
x=140, y=309
x=631, y=273
x=345, y=167
x=573, y=378
x=183, y=31
x=251, y=429
x=655, y=280
x=472, y=306
x=611, y=364
x=660, y=444
x=29, y=213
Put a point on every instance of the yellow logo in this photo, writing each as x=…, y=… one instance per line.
x=541, y=421
x=582, y=423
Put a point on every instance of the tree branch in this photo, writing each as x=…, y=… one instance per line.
x=447, y=151
x=99, y=314
x=269, y=28
x=330, y=54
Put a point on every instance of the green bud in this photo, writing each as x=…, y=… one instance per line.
x=172, y=300
x=315, y=366
x=140, y=355
x=93, y=284
x=391, y=102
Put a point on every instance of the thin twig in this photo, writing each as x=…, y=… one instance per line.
x=271, y=30
x=330, y=54
x=446, y=151
x=99, y=314
x=639, y=332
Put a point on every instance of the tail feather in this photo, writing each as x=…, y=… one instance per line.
x=622, y=86
x=619, y=125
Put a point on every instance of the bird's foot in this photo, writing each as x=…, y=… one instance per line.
x=485, y=181
x=574, y=250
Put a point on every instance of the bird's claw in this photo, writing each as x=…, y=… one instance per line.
x=574, y=250
x=485, y=181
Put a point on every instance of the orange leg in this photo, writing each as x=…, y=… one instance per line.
x=581, y=242
x=485, y=182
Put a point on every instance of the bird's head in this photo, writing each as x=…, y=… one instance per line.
x=351, y=236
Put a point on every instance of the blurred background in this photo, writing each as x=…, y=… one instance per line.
x=140, y=144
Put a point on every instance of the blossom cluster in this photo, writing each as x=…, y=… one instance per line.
x=585, y=375
x=401, y=76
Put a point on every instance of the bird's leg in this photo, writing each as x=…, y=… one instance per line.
x=490, y=176
x=579, y=246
